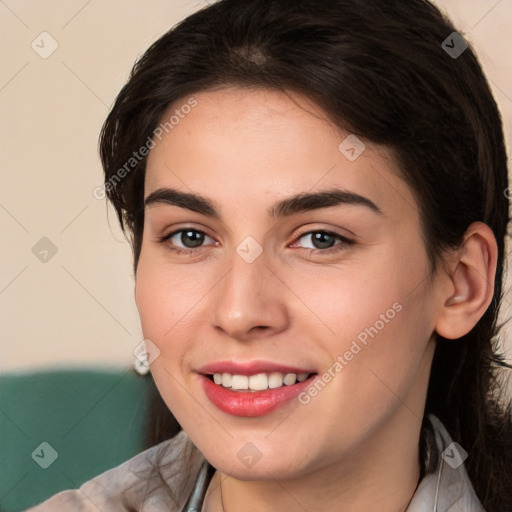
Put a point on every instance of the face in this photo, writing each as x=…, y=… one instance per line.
x=337, y=286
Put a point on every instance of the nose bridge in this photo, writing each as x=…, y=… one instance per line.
x=249, y=296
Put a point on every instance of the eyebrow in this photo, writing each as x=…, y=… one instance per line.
x=299, y=203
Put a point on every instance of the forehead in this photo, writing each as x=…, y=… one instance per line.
x=255, y=146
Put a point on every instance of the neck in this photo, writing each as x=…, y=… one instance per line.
x=382, y=476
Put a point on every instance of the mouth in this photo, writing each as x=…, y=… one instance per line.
x=234, y=394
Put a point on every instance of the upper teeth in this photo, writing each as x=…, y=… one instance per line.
x=258, y=382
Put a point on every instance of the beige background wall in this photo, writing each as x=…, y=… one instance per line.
x=77, y=308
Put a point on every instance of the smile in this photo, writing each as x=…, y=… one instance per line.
x=248, y=402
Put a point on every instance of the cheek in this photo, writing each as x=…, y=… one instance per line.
x=152, y=302
x=381, y=323
x=164, y=303
x=381, y=359
x=161, y=306
x=171, y=304
x=166, y=297
x=349, y=299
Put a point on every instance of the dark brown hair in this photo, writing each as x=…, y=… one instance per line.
x=378, y=70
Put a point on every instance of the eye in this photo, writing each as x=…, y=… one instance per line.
x=190, y=238
x=324, y=241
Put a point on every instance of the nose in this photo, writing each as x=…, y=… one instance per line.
x=250, y=301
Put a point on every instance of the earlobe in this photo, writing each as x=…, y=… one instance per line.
x=471, y=279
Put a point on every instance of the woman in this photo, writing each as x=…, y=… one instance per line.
x=316, y=196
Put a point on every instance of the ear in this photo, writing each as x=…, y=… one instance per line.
x=469, y=282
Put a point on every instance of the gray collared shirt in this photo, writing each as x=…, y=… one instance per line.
x=134, y=486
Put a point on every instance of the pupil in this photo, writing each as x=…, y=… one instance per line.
x=197, y=238
x=320, y=238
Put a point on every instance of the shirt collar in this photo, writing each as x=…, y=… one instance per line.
x=448, y=488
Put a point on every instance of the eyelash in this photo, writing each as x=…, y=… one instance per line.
x=336, y=248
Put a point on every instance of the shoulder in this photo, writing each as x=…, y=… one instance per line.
x=151, y=481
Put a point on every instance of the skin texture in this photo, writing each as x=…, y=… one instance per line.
x=356, y=442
